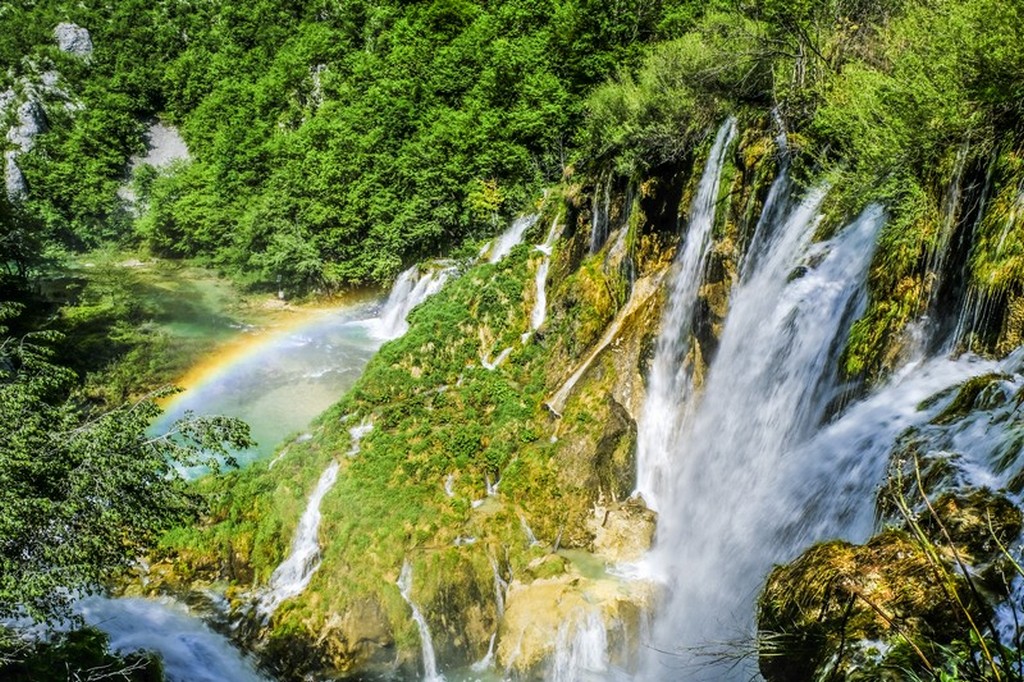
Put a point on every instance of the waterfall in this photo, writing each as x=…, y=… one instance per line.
x=190, y=651
x=291, y=577
x=581, y=650
x=500, y=587
x=669, y=378
x=412, y=287
x=511, y=237
x=430, y=673
x=734, y=472
x=540, y=301
x=599, y=218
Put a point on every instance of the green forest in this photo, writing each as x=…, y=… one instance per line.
x=334, y=143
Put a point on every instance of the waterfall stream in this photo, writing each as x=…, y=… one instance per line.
x=430, y=673
x=511, y=237
x=191, y=651
x=412, y=287
x=731, y=477
x=669, y=377
x=294, y=573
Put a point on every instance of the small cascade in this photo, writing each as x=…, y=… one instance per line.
x=512, y=237
x=356, y=434
x=669, y=378
x=540, y=301
x=189, y=650
x=500, y=587
x=404, y=583
x=531, y=539
x=412, y=287
x=599, y=214
x=487, y=661
x=294, y=573
x=581, y=650
x=491, y=365
x=732, y=477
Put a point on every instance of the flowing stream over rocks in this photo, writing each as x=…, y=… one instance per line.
x=294, y=573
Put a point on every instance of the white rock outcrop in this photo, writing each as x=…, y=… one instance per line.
x=73, y=39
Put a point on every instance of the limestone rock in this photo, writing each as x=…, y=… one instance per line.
x=14, y=180
x=360, y=636
x=546, y=618
x=622, y=532
x=7, y=98
x=73, y=39
x=31, y=121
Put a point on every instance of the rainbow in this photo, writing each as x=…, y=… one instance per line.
x=280, y=378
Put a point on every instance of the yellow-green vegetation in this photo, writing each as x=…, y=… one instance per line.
x=436, y=412
x=442, y=422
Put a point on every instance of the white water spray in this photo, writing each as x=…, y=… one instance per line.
x=731, y=477
x=581, y=649
x=190, y=651
x=669, y=379
x=412, y=287
x=292, y=576
x=430, y=673
x=512, y=237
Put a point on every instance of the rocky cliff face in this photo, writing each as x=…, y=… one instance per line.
x=507, y=488
x=23, y=107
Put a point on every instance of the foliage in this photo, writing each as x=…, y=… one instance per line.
x=79, y=656
x=331, y=143
x=82, y=493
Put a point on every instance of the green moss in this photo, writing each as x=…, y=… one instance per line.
x=967, y=399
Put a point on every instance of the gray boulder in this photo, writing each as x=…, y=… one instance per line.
x=73, y=39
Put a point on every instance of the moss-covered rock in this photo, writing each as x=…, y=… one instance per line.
x=816, y=614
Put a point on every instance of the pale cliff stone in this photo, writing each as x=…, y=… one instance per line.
x=31, y=121
x=14, y=180
x=541, y=615
x=622, y=532
x=73, y=39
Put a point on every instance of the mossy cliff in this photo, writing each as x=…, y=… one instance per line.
x=505, y=487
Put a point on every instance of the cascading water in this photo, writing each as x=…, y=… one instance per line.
x=669, y=379
x=430, y=673
x=191, y=651
x=540, y=302
x=511, y=237
x=729, y=477
x=291, y=577
x=412, y=287
x=599, y=216
x=581, y=650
